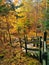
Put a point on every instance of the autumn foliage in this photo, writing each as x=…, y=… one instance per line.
x=31, y=16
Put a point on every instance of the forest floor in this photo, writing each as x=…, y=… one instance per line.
x=13, y=55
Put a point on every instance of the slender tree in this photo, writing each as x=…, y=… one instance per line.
x=4, y=11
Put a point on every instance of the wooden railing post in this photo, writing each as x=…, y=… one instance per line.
x=45, y=49
x=40, y=49
x=26, y=43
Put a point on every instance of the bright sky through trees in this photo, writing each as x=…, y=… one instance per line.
x=10, y=0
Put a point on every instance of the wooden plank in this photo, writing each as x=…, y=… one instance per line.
x=33, y=49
